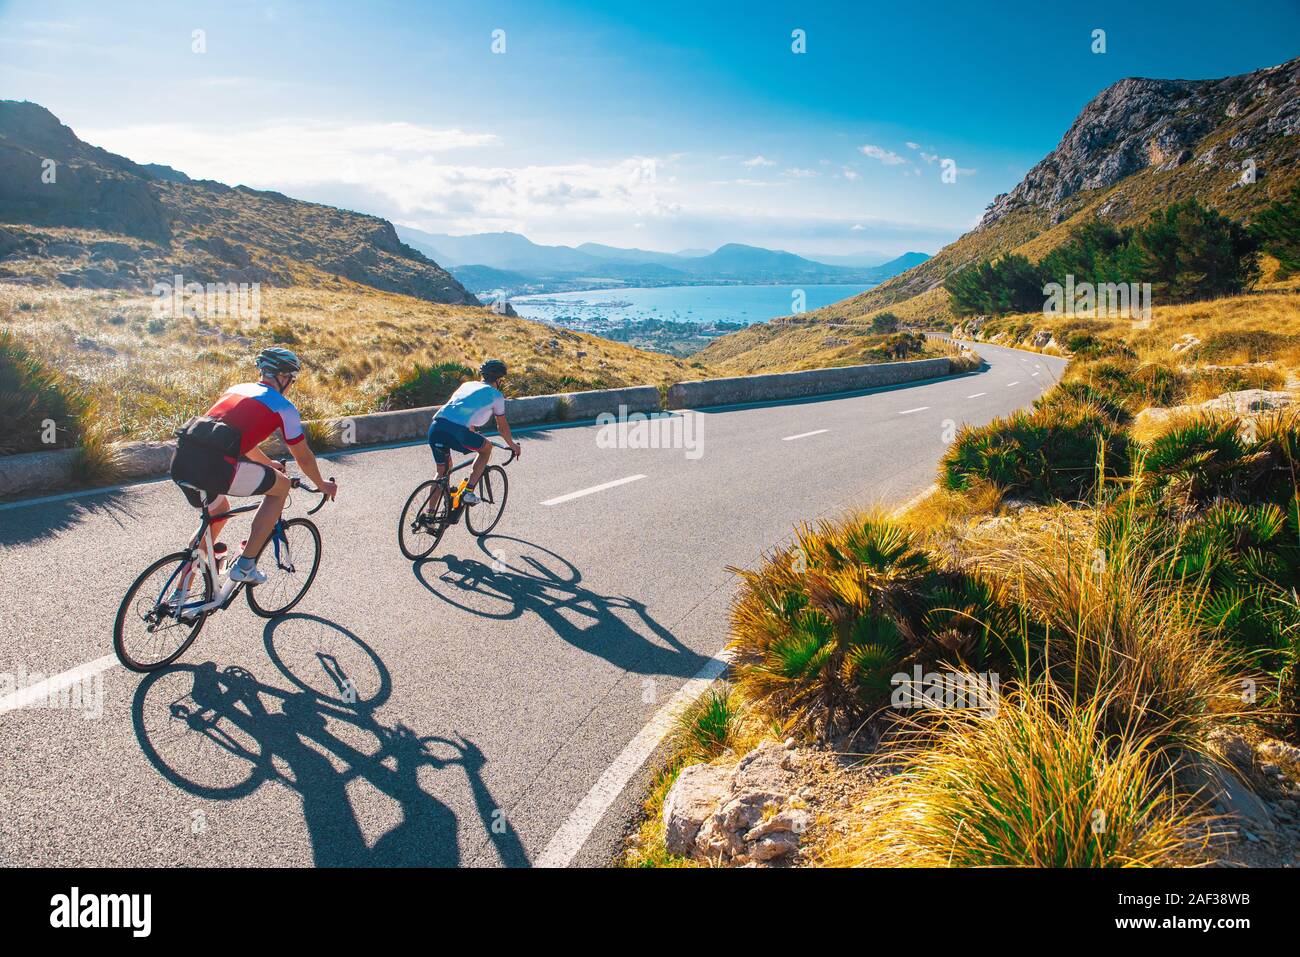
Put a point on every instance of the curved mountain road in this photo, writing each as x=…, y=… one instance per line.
x=454, y=712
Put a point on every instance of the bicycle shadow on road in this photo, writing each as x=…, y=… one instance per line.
x=537, y=580
x=220, y=734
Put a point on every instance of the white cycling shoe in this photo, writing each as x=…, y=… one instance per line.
x=253, y=576
x=469, y=498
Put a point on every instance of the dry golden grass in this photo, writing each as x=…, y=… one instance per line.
x=147, y=375
x=1040, y=784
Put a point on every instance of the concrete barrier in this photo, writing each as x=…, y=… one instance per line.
x=50, y=471
x=796, y=385
x=41, y=471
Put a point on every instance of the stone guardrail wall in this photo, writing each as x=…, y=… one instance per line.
x=49, y=471
x=797, y=385
x=133, y=461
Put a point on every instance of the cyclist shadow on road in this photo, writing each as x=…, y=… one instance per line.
x=617, y=628
x=220, y=734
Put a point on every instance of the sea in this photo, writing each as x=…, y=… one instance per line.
x=742, y=304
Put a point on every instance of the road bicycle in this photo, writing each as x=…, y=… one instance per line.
x=166, y=607
x=435, y=505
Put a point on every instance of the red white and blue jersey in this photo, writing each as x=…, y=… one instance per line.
x=257, y=410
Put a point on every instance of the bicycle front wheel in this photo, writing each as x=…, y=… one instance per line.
x=294, y=557
x=148, y=634
x=493, y=488
x=423, y=520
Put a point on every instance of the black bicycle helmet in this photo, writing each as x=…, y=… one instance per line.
x=492, y=369
x=277, y=361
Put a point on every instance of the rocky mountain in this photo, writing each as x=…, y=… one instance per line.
x=1161, y=125
x=1138, y=146
x=78, y=215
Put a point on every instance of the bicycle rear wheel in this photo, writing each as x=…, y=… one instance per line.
x=420, y=527
x=294, y=550
x=146, y=633
x=493, y=488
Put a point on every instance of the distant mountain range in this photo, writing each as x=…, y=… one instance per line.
x=512, y=264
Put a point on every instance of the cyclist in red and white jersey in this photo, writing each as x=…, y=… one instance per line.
x=254, y=411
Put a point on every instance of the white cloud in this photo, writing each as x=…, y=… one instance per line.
x=912, y=146
x=398, y=170
x=888, y=157
x=849, y=172
x=799, y=173
x=759, y=160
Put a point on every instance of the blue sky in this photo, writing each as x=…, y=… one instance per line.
x=662, y=125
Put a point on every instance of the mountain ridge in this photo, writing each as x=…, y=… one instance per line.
x=77, y=215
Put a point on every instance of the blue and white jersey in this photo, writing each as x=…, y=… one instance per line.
x=472, y=405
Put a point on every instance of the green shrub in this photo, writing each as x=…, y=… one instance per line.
x=1049, y=453
x=820, y=630
x=426, y=385
x=707, y=727
x=1133, y=385
x=1217, y=456
x=32, y=395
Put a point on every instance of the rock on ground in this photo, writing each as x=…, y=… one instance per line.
x=742, y=815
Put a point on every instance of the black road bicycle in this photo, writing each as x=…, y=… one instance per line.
x=435, y=505
x=164, y=610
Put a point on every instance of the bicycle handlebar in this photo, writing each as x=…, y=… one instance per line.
x=298, y=482
x=507, y=449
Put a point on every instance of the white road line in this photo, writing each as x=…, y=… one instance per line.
x=588, y=491
x=568, y=840
x=1010, y=384
x=51, y=686
x=976, y=395
x=1033, y=373
x=919, y=408
x=804, y=435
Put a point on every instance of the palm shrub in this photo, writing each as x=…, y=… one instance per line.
x=820, y=630
x=32, y=394
x=1213, y=456
x=1049, y=453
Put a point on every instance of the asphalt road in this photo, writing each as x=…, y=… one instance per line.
x=494, y=683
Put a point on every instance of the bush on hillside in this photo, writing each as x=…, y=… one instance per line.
x=1185, y=251
x=1277, y=229
x=426, y=385
x=1048, y=454
x=819, y=630
x=1009, y=284
x=36, y=403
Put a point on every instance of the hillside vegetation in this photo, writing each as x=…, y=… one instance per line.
x=145, y=375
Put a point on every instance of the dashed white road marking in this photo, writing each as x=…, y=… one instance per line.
x=1010, y=384
x=573, y=833
x=976, y=395
x=804, y=435
x=1033, y=373
x=919, y=408
x=590, y=491
x=51, y=686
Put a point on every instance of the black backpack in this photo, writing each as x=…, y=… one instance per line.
x=205, y=452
